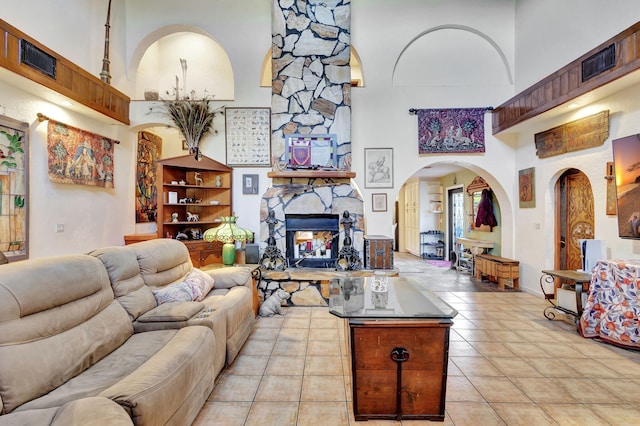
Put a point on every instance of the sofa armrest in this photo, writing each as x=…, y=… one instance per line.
x=90, y=411
x=232, y=276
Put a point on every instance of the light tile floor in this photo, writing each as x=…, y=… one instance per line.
x=508, y=365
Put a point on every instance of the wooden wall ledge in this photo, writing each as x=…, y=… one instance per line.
x=566, y=83
x=70, y=80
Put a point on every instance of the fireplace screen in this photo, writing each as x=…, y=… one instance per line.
x=312, y=240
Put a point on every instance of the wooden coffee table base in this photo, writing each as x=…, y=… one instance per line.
x=399, y=368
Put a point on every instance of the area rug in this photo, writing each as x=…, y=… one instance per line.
x=440, y=263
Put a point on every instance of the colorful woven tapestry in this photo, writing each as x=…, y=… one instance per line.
x=149, y=152
x=80, y=157
x=444, y=131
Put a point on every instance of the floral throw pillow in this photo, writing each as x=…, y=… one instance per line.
x=196, y=285
x=200, y=283
x=178, y=292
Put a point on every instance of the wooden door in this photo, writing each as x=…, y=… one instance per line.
x=574, y=217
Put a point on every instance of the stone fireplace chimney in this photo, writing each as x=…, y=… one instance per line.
x=311, y=95
x=311, y=88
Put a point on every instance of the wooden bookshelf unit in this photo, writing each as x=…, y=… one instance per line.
x=208, y=198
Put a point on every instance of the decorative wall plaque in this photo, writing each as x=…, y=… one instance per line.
x=580, y=134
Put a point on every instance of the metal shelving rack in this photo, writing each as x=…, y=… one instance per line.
x=432, y=245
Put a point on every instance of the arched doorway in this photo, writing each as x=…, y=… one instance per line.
x=574, y=218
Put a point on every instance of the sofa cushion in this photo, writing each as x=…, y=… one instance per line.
x=177, y=379
x=162, y=261
x=122, y=362
x=172, y=312
x=128, y=286
x=58, y=317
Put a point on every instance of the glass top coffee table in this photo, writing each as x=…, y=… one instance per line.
x=398, y=343
x=405, y=298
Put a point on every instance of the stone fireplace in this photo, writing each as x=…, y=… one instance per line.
x=311, y=95
x=320, y=203
x=313, y=204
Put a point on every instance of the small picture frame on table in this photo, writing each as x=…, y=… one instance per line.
x=250, y=184
x=379, y=202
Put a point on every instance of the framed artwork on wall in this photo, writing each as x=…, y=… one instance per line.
x=379, y=202
x=248, y=136
x=527, y=188
x=378, y=170
x=250, y=184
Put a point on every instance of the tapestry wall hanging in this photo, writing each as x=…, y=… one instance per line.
x=79, y=157
x=149, y=152
x=445, y=131
x=14, y=188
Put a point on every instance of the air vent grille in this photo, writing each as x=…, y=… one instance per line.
x=598, y=63
x=37, y=58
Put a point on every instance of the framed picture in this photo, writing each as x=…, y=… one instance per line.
x=378, y=170
x=311, y=151
x=379, y=202
x=527, y=188
x=184, y=145
x=248, y=137
x=250, y=184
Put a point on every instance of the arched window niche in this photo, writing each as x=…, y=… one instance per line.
x=208, y=68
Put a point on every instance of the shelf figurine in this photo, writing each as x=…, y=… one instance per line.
x=174, y=217
x=196, y=176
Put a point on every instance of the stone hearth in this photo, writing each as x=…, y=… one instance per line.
x=307, y=286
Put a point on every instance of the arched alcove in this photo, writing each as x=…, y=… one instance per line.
x=456, y=56
x=208, y=68
x=357, y=75
x=452, y=173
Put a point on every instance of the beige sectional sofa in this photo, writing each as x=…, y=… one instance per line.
x=82, y=340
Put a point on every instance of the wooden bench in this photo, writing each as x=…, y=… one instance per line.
x=499, y=268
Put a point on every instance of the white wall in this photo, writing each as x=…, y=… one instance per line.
x=551, y=33
x=92, y=216
x=535, y=247
x=243, y=30
x=380, y=115
x=560, y=32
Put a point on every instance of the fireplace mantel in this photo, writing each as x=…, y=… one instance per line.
x=322, y=174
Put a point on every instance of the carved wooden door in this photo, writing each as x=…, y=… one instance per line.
x=575, y=218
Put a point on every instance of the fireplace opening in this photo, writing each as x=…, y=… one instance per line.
x=312, y=240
